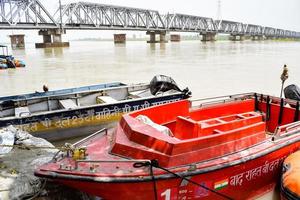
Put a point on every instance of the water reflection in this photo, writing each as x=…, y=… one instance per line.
x=152, y=46
x=58, y=51
x=120, y=44
x=162, y=46
x=53, y=52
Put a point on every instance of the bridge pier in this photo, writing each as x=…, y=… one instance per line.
x=152, y=37
x=234, y=37
x=52, y=38
x=175, y=38
x=119, y=38
x=208, y=37
x=257, y=37
x=270, y=37
x=17, y=41
x=260, y=37
x=162, y=36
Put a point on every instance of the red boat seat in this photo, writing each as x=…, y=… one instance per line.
x=227, y=123
x=219, y=110
x=187, y=128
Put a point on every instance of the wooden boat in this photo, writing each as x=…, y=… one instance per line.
x=60, y=114
x=290, y=178
x=220, y=148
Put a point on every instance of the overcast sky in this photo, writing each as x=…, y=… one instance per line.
x=284, y=14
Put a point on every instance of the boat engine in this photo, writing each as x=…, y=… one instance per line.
x=10, y=63
x=162, y=83
x=292, y=92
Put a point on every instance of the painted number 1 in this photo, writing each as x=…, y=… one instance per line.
x=166, y=194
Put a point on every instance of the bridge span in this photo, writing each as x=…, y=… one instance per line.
x=32, y=14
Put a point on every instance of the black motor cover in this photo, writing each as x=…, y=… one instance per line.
x=292, y=92
x=162, y=83
x=10, y=63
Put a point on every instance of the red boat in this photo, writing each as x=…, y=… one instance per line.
x=222, y=148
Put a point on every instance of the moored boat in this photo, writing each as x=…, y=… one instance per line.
x=290, y=178
x=229, y=147
x=73, y=112
x=8, y=61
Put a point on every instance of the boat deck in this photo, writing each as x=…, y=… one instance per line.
x=198, y=135
x=205, y=137
x=69, y=99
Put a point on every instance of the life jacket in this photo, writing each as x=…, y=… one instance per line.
x=290, y=180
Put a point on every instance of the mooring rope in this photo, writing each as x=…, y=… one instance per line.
x=28, y=147
x=154, y=163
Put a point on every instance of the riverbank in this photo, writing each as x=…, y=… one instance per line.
x=20, y=155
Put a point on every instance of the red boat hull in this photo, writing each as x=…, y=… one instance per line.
x=231, y=149
x=246, y=180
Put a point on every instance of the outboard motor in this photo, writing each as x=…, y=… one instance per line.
x=292, y=92
x=162, y=83
x=10, y=63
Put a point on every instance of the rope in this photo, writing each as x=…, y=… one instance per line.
x=38, y=192
x=154, y=182
x=27, y=147
x=284, y=76
x=149, y=164
x=154, y=163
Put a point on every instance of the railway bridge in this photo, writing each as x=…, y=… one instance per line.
x=32, y=14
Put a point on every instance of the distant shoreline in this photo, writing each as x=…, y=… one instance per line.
x=183, y=38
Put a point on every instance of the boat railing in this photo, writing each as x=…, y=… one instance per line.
x=65, y=92
x=228, y=98
x=69, y=147
x=286, y=130
x=78, y=143
x=109, y=161
x=221, y=99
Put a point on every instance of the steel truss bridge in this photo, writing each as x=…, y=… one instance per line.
x=31, y=14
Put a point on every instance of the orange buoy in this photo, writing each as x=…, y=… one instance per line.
x=290, y=180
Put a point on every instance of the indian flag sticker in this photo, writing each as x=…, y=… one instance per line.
x=221, y=184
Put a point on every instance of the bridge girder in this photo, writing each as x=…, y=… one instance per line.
x=254, y=30
x=23, y=14
x=230, y=27
x=31, y=14
x=181, y=22
x=83, y=15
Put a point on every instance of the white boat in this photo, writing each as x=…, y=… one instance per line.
x=61, y=114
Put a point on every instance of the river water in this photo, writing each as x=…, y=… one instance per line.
x=208, y=69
